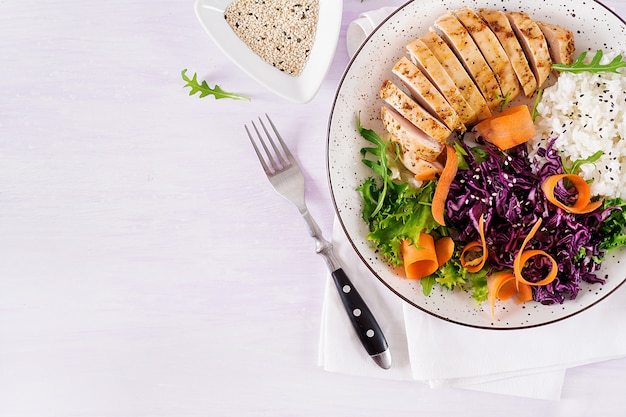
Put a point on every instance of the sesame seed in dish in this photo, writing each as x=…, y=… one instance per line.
x=281, y=32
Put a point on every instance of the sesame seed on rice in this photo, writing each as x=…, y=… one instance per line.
x=586, y=113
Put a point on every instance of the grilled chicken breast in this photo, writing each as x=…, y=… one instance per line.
x=459, y=39
x=458, y=79
x=457, y=73
x=534, y=44
x=413, y=142
x=422, y=169
x=413, y=112
x=500, y=26
x=426, y=94
x=424, y=59
x=560, y=43
x=492, y=51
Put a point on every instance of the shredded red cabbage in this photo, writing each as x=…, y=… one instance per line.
x=505, y=188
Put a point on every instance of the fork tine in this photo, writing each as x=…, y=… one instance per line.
x=282, y=143
x=275, y=165
x=284, y=163
x=270, y=158
x=256, y=150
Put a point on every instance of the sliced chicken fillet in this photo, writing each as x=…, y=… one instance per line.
x=501, y=27
x=492, y=51
x=413, y=112
x=426, y=94
x=457, y=73
x=534, y=44
x=459, y=39
x=560, y=43
x=412, y=140
x=421, y=167
x=424, y=59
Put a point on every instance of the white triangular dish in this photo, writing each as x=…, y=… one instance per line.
x=300, y=89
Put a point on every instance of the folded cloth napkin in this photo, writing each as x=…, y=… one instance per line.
x=360, y=28
x=528, y=363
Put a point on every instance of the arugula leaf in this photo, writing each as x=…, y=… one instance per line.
x=504, y=100
x=461, y=154
x=573, y=169
x=594, y=66
x=380, y=165
x=535, y=113
x=480, y=155
x=394, y=211
x=204, y=89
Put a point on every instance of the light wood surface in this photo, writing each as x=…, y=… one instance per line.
x=146, y=266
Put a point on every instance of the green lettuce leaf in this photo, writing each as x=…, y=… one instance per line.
x=613, y=228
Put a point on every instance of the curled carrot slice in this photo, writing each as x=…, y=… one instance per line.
x=445, y=249
x=419, y=260
x=583, y=202
x=501, y=286
x=438, y=207
x=476, y=264
x=523, y=256
x=524, y=293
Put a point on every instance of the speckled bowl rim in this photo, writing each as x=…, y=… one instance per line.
x=349, y=215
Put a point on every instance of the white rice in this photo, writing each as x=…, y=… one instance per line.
x=587, y=113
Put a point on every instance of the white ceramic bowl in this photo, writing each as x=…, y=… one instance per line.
x=595, y=27
x=298, y=89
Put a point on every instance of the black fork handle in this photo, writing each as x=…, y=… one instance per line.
x=363, y=321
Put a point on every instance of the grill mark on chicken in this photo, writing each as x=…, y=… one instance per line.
x=458, y=38
x=534, y=44
x=457, y=73
x=413, y=112
x=426, y=94
x=491, y=50
x=424, y=59
x=413, y=142
x=501, y=27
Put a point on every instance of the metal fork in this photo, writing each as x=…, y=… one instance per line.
x=286, y=177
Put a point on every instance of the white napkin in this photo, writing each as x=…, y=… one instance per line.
x=360, y=28
x=528, y=363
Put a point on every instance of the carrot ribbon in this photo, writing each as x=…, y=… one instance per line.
x=438, y=207
x=502, y=285
x=508, y=128
x=523, y=256
x=476, y=247
x=583, y=202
